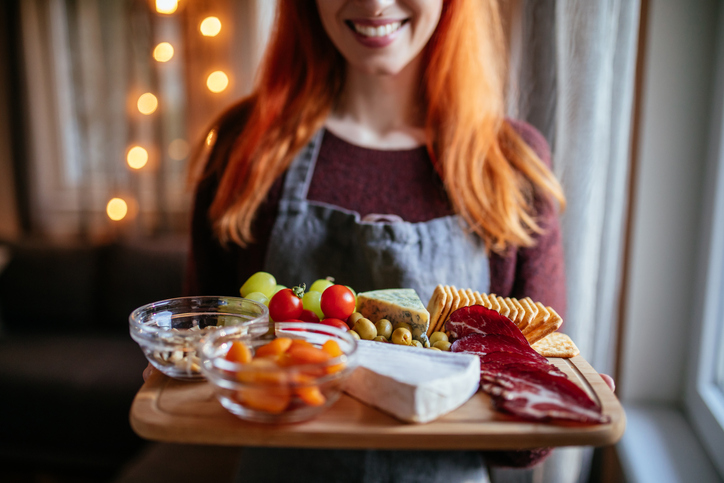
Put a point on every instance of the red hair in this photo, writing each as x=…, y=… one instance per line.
x=489, y=172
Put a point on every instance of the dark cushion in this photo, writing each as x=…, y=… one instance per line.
x=69, y=396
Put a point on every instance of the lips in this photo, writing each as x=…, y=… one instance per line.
x=376, y=33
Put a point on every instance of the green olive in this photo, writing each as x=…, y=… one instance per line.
x=384, y=328
x=436, y=336
x=433, y=348
x=403, y=325
x=380, y=338
x=352, y=319
x=365, y=328
x=353, y=334
x=443, y=345
x=401, y=336
x=417, y=343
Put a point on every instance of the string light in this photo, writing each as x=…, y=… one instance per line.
x=137, y=157
x=211, y=137
x=217, y=81
x=178, y=149
x=210, y=27
x=116, y=209
x=166, y=6
x=163, y=52
x=147, y=103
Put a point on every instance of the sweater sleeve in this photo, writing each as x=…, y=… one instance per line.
x=537, y=272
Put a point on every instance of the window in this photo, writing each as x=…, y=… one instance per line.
x=704, y=398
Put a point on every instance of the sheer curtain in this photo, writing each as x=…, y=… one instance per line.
x=86, y=64
x=572, y=76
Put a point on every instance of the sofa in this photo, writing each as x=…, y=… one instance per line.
x=68, y=367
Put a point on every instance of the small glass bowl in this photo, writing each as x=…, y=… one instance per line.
x=169, y=331
x=292, y=384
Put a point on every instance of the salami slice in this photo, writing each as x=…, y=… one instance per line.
x=530, y=393
x=483, y=345
x=477, y=319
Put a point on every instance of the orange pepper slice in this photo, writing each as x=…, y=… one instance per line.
x=311, y=395
x=238, y=352
x=275, y=348
x=332, y=348
x=274, y=399
x=262, y=371
x=307, y=355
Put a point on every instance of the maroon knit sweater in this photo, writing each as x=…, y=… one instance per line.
x=402, y=183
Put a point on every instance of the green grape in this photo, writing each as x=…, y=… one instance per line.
x=259, y=282
x=311, y=301
x=320, y=285
x=259, y=297
x=278, y=288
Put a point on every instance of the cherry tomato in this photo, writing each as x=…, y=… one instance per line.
x=340, y=324
x=309, y=316
x=337, y=302
x=285, y=305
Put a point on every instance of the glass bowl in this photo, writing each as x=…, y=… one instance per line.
x=169, y=331
x=276, y=392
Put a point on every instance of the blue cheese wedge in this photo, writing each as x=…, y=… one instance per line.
x=413, y=385
x=396, y=305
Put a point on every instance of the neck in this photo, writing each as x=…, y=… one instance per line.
x=380, y=111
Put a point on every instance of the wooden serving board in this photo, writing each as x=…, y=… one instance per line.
x=188, y=412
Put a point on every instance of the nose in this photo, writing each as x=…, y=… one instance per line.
x=376, y=7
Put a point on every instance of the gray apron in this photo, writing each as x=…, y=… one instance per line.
x=312, y=240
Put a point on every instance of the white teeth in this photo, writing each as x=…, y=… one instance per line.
x=379, y=31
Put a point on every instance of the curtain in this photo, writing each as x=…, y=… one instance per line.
x=86, y=65
x=572, y=77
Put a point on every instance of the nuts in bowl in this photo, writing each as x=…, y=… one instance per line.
x=289, y=375
x=169, y=331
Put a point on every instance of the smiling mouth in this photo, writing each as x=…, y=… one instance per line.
x=378, y=29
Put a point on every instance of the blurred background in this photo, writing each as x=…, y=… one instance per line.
x=102, y=102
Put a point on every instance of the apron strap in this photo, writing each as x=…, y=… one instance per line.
x=299, y=174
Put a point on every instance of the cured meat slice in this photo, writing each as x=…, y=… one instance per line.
x=529, y=393
x=477, y=319
x=499, y=361
x=483, y=345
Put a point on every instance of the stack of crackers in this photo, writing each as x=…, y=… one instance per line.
x=537, y=322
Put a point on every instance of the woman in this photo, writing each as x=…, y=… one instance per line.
x=374, y=149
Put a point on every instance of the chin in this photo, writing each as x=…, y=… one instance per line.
x=380, y=68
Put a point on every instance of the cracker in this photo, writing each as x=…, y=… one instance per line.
x=464, y=300
x=513, y=314
x=478, y=298
x=551, y=324
x=520, y=318
x=533, y=320
x=471, y=297
x=504, y=309
x=486, y=301
x=539, y=321
x=494, y=305
x=446, y=311
x=556, y=344
x=436, y=307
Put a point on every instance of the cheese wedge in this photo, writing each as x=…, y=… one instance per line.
x=413, y=385
x=396, y=305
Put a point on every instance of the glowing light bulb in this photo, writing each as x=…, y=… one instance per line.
x=217, y=81
x=147, y=103
x=116, y=209
x=178, y=149
x=137, y=157
x=163, y=52
x=210, y=27
x=166, y=6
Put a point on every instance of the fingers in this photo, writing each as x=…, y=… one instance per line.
x=609, y=381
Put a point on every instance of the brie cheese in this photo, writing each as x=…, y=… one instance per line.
x=412, y=384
